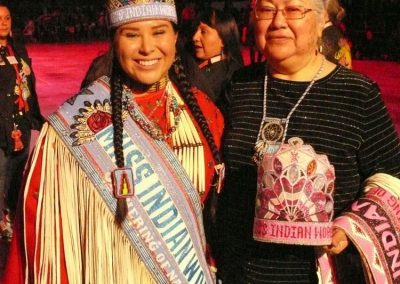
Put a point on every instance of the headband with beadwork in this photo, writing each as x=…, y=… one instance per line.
x=124, y=11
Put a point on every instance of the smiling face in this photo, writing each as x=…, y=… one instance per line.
x=146, y=49
x=283, y=40
x=5, y=24
x=207, y=42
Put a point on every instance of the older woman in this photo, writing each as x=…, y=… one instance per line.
x=305, y=140
x=115, y=189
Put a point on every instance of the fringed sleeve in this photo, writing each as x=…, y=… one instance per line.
x=69, y=234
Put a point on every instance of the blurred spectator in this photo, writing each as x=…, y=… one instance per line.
x=188, y=15
x=332, y=33
x=343, y=56
x=19, y=114
x=217, y=50
x=369, y=48
x=29, y=31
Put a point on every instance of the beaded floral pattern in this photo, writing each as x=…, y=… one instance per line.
x=295, y=185
x=91, y=119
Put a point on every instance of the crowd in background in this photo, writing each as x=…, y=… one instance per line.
x=61, y=22
x=372, y=26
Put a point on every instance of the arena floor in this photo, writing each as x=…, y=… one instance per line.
x=60, y=68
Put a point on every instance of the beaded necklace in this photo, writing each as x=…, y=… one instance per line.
x=151, y=127
x=182, y=135
x=272, y=133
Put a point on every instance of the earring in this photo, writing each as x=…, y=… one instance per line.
x=319, y=46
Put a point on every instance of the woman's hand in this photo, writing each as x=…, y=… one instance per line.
x=339, y=242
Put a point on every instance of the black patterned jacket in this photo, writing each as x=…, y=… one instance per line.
x=9, y=112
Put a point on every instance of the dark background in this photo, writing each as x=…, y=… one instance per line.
x=381, y=18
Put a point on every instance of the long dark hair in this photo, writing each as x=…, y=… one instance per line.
x=177, y=75
x=226, y=26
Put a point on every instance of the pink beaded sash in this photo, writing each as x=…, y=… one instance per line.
x=373, y=225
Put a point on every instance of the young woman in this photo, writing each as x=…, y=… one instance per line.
x=115, y=190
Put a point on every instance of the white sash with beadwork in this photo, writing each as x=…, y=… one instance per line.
x=164, y=220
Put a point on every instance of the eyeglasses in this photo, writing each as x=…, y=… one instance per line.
x=289, y=12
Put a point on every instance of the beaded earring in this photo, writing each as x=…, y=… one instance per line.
x=319, y=46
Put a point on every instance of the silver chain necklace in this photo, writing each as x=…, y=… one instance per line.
x=271, y=129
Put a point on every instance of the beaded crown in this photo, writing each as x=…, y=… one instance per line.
x=294, y=203
x=125, y=11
